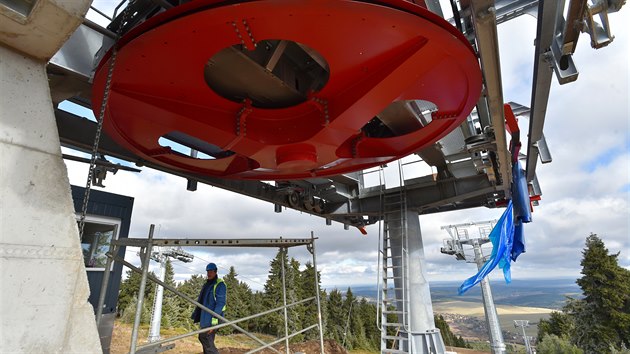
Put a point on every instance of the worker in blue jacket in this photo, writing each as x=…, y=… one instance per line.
x=213, y=296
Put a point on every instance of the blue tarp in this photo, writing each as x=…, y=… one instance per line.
x=507, y=237
x=501, y=237
x=522, y=211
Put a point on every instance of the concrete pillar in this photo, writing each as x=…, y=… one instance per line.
x=43, y=283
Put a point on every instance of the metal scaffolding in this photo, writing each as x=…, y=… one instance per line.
x=145, y=254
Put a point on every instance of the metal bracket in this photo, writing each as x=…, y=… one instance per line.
x=543, y=150
x=563, y=64
x=600, y=33
x=156, y=349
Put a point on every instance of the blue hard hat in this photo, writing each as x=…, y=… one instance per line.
x=211, y=266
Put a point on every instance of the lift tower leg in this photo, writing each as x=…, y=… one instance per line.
x=424, y=337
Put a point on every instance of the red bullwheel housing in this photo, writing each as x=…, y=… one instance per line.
x=287, y=89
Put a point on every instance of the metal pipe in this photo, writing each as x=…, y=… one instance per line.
x=319, y=308
x=492, y=319
x=281, y=339
x=345, y=332
x=100, y=13
x=102, y=30
x=185, y=297
x=224, y=324
x=143, y=283
x=104, y=284
x=118, y=7
x=284, y=301
x=156, y=319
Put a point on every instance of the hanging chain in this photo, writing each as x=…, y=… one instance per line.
x=101, y=118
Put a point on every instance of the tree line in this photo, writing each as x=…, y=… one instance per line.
x=599, y=322
x=346, y=318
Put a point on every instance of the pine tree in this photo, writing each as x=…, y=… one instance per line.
x=354, y=326
x=129, y=312
x=169, y=307
x=367, y=313
x=336, y=318
x=348, y=333
x=602, y=318
x=552, y=344
x=191, y=288
x=256, y=305
x=272, y=297
x=307, y=286
x=445, y=330
x=295, y=313
x=129, y=292
x=239, y=298
x=559, y=324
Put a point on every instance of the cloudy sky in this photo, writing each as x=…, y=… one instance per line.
x=585, y=189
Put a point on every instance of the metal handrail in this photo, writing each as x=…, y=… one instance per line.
x=225, y=324
x=283, y=338
x=379, y=255
x=405, y=246
x=185, y=297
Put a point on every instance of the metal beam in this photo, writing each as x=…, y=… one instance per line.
x=541, y=85
x=442, y=195
x=484, y=20
x=510, y=9
x=248, y=242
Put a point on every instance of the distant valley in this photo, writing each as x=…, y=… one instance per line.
x=545, y=293
x=522, y=299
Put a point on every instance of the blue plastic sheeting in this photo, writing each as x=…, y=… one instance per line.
x=518, y=245
x=522, y=211
x=520, y=194
x=501, y=237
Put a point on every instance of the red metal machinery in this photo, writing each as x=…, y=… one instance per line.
x=275, y=89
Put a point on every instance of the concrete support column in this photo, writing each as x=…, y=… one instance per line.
x=43, y=283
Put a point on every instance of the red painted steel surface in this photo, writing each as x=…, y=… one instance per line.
x=377, y=54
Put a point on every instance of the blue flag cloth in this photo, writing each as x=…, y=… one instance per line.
x=501, y=236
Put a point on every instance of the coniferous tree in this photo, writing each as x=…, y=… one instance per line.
x=295, y=313
x=447, y=336
x=553, y=344
x=335, y=323
x=367, y=312
x=129, y=293
x=129, y=313
x=191, y=288
x=307, y=286
x=273, y=297
x=348, y=333
x=559, y=324
x=257, y=306
x=354, y=329
x=170, y=313
x=238, y=301
x=602, y=318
